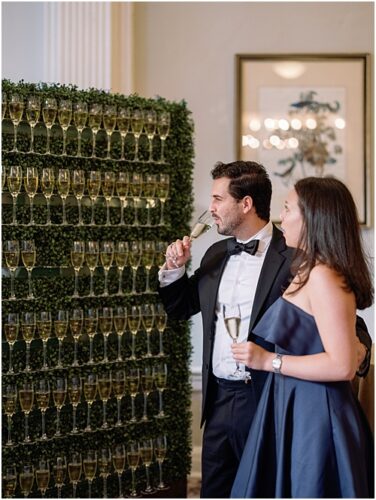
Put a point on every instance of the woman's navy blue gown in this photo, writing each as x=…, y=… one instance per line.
x=307, y=439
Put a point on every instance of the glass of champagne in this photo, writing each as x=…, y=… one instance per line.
x=80, y=114
x=160, y=253
x=160, y=378
x=74, y=470
x=10, y=479
x=32, y=115
x=161, y=322
x=27, y=330
x=61, y=328
x=107, y=256
x=78, y=187
x=105, y=325
x=76, y=319
x=26, y=397
x=133, y=458
x=133, y=381
x=74, y=390
x=14, y=186
x=91, y=257
x=77, y=259
x=26, y=478
x=90, y=391
x=137, y=124
x=120, y=323
x=134, y=322
x=149, y=185
x=150, y=127
x=93, y=186
x=95, y=120
x=121, y=256
x=65, y=118
x=9, y=405
x=44, y=326
x=59, y=392
x=147, y=260
x=164, y=121
x=122, y=186
x=104, y=389
x=118, y=459
x=49, y=111
x=123, y=123
x=42, y=475
x=148, y=317
x=11, y=328
x=160, y=450
x=162, y=192
x=90, y=467
x=109, y=123
x=203, y=224
x=31, y=186
x=118, y=385
x=146, y=452
x=48, y=184
x=135, y=253
x=42, y=395
x=16, y=107
x=108, y=186
x=91, y=325
x=232, y=318
x=63, y=185
x=135, y=188
x=28, y=255
x=60, y=470
x=104, y=465
x=11, y=251
x=147, y=382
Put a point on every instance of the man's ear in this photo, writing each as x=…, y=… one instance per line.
x=247, y=204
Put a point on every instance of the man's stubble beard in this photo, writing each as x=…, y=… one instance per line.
x=230, y=227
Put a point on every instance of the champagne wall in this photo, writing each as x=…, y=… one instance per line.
x=96, y=398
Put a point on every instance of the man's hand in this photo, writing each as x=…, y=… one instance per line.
x=252, y=355
x=178, y=253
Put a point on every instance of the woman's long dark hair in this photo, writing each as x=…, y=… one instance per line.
x=331, y=235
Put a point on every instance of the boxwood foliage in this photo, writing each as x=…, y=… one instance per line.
x=53, y=282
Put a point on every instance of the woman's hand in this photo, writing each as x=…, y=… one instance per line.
x=253, y=356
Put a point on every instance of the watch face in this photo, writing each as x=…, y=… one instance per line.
x=277, y=363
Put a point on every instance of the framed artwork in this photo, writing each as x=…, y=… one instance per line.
x=306, y=115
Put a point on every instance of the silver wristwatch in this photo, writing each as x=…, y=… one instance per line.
x=277, y=363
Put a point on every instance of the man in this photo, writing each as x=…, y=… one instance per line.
x=249, y=270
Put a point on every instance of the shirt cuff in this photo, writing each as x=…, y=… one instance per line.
x=168, y=276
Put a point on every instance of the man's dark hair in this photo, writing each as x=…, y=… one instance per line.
x=247, y=178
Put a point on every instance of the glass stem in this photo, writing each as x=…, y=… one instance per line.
x=107, y=212
x=59, y=363
x=134, y=493
x=160, y=402
x=88, y=417
x=31, y=296
x=59, y=492
x=120, y=488
x=80, y=221
x=10, y=369
x=136, y=222
x=119, y=357
x=161, y=484
x=91, y=350
x=48, y=141
x=105, y=424
x=91, y=293
x=27, y=438
x=120, y=288
x=104, y=487
x=31, y=139
x=147, y=478
x=15, y=137
x=31, y=198
x=161, y=220
x=136, y=150
x=122, y=222
x=122, y=147
x=108, y=157
x=64, y=142
x=105, y=358
x=27, y=368
x=74, y=489
x=92, y=222
x=148, y=352
x=161, y=353
x=45, y=366
x=79, y=144
x=12, y=293
x=150, y=150
x=89, y=489
x=44, y=436
x=145, y=415
x=148, y=219
x=75, y=293
x=9, y=442
x=58, y=422
x=75, y=362
x=48, y=222
x=64, y=214
x=133, y=417
x=74, y=427
x=14, y=220
x=147, y=287
x=94, y=143
x=118, y=412
x=162, y=150
x=133, y=355
x=105, y=283
x=134, y=274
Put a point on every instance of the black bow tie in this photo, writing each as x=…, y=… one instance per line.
x=234, y=247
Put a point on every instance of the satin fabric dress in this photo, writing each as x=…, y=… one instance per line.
x=308, y=439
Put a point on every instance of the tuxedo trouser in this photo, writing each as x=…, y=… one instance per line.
x=225, y=434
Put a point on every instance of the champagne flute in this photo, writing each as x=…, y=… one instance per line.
x=48, y=184
x=11, y=328
x=147, y=381
x=122, y=186
x=77, y=259
x=26, y=397
x=160, y=378
x=78, y=187
x=135, y=188
x=134, y=321
x=10, y=479
x=120, y=323
x=4, y=102
x=108, y=185
x=32, y=115
x=9, y=405
x=109, y=123
x=118, y=459
x=104, y=389
x=147, y=260
x=148, y=316
x=133, y=458
x=93, y=186
x=146, y=453
x=150, y=126
x=42, y=395
x=149, y=185
x=59, y=392
x=49, y=112
x=80, y=113
x=28, y=255
x=11, y=250
x=160, y=450
x=90, y=467
x=14, y=186
x=26, y=479
x=90, y=391
x=91, y=257
x=121, y=256
x=16, y=107
x=123, y=123
x=104, y=465
x=95, y=120
x=75, y=323
x=65, y=118
x=31, y=186
x=74, y=470
x=27, y=330
x=60, y=469
x=118, y=384
x=135, y=253
x=162, y=191
x=161, y=322
x=105, y=325
x=203, y=224
x=91, y=324
x=42, y=475
x=63, y=185
x=133, y=382
x=137, y=124
x=61, y=327
x=107, y=256
x=44, y=326
x=232, y=317
x=74, y=390
x=164, y=121
x=160, y=253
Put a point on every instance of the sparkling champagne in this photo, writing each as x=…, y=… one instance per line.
x=77, y=259
x=31, y=185
x=49, y=116
x=108, y=188
x=134, y=324
x=148, y=189
x=75, y=395
x=90, y=326
x=120, y=323
x=93, y=187
x=104, y=386
x=32, y=116
x=90, y=468
x=232, y=327
x=47, y=186
x=147, y=258
x=163, y=130
x=148, y=322
x=74, y=471
x=133, y=383
x=106, y=259
x=160, y=321
x=137, y=125
x=90, y=390
x=65, y=117
x=109, y=122
x=147, y=455
x=121, y=259
x=105, y=324
x=133, y=459
x=27, y=332
x=104, y=467
x=160, y=454
x=119, y=463
x=162, y=191
x=78, y=188
x=26, y=399
x=11, y=332
x=44, y=329
x=75, y=327
x=119, y=388
x=122, y=188
x=134, y=260
x=43, y=478
x=123, y=124
x=16, y=111
x=199, y=229
x=92, y=260
x=59, y=397
x=147, y=383
x=43, y=399
x=95, y=121
x=28, y=259
x=10, y=483
x=11, y=259
x=61, y=328
x=59, y=475
x=63, y=187
x=14, y=184
x=26, y=482
x=80, y=118
x=135, y=189
x=160, y=380
x=9, y=402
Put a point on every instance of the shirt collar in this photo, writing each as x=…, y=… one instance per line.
x=264, y=235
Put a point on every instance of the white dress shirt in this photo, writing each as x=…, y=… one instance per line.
x=237, y=287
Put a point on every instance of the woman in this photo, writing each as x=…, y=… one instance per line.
x=309, y=437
